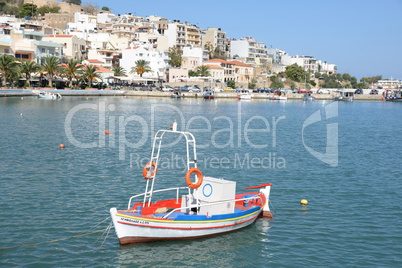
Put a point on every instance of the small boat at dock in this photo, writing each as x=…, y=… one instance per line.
x=244, y=95
x=201, y=207
x=343, y=96
x=308, y=97
x=393, y=95
x=209, y=95
x=47, y=95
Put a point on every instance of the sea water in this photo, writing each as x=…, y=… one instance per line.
x=344, y=158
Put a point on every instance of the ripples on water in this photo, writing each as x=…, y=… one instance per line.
x=48, y=194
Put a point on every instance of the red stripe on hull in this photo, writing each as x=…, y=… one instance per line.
x=188, y=228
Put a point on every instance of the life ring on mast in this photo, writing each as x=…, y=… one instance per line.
x=149, y=170
x=199, y=178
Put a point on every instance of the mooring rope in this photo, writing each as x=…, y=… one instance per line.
x=270, y=203
x=65, y=238
x=107, y=234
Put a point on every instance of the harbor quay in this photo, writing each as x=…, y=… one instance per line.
x=160, y=94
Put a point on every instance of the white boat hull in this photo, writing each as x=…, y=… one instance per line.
x=130, y=229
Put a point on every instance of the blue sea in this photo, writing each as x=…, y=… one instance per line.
x=344, y=158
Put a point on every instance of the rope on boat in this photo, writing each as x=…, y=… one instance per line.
x=61, y=239
x=107, y=230
x=270, y=203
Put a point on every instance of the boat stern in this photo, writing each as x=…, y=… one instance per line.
x=266, y=212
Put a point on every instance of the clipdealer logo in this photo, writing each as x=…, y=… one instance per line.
x=331, y=154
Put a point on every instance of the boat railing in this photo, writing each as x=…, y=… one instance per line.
x=158, y=191
x=212, y=204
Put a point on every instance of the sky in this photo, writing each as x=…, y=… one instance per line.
x=362, y=37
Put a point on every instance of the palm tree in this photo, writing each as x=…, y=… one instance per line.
x=141, y=67
x=119, y=71
x=90, y=73
x=8, y=64
x=203, y=71
x=50, y=65
x=27, y=68
x=72, y=69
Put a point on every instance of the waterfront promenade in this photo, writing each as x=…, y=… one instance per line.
x=161, y=94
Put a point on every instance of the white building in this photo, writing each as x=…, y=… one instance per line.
x=249, y=51
x=308, y=63
x=328, y=68
x=82, y=26
x=158, y=60
x=193, y=57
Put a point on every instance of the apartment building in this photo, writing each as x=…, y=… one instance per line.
x=158, y=60
x=29, y=45
x=193, y=57
x=217, y=38
x=243, y=72
x=59, y=20
x=229, y=70
x=308, y=63
x=250, y=51
x=73, y=46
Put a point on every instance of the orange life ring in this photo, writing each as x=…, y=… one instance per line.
x=199, y=178
x=147, y=169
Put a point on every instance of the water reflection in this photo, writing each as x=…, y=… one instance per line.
x=239, y=248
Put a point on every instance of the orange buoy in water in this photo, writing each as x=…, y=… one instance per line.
x=61, y=146
x=107, y=132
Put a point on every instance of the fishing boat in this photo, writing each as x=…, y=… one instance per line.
x=344, y=96
x=201, y=207
x=209, y=95
x=393, y=96
x=49, y=95
x=278, y=95
x=176, y=94
x=308, y=97
x=244, y=95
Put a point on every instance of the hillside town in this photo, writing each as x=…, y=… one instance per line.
x=175, y=51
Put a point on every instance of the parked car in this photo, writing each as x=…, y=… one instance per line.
x=359, y=91
x=323, y=91
x=303, y=90
x=146, y=88
x=167, y=88
x=374, y=92
x=217, y=89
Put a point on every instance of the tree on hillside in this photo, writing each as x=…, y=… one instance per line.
x=2, y=5
x=75, y=2
x=175, y=55
x=105, y=8
x=47, y=9
x=28, y=68
x=276, y=82
x=27, y=10
x=7, y=66
x=141, y=67
x=371, y=80
x=296, y=73
x=90, y=8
